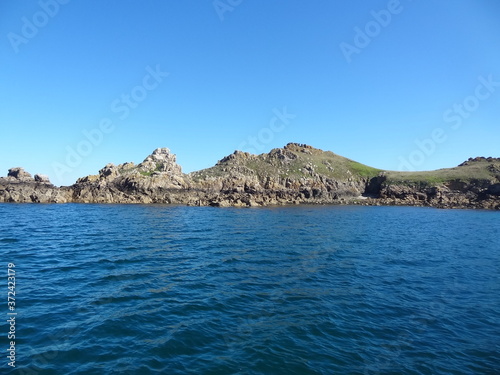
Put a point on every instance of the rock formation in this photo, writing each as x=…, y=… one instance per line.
x=20, y=187
x=152, y=181
x=295, y=174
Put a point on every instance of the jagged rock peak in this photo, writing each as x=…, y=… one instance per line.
x=19, y=174
x=282, y=154
x=109, y=170
x=479, y=159
x=299, y=147
x=42, y=178
x=237, y=155
x=161, y=154
x=161, y=160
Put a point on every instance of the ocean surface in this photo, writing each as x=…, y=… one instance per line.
x=152, y=289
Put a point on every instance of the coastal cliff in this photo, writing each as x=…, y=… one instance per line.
x=294, y=174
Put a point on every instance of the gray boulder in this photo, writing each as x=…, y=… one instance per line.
x=42, y=178
x=19, y=174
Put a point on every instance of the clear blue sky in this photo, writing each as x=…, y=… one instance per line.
x=364, y=79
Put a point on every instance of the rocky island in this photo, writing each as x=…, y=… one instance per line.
x=294, y=174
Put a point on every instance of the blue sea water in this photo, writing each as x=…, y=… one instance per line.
x=151, y=289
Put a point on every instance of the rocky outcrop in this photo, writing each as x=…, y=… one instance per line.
x=283, y=176
x=231, y=182
x=474, y=194
x=158, y=179
x=455, y=191
x=295, y=174
x=42, y=178
x=20, y=187
x=19, y=174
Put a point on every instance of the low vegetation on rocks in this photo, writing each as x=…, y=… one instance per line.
x=294, y=174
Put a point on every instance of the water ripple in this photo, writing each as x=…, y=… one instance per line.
x=297, y=290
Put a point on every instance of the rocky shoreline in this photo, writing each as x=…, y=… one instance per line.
x=295, y=174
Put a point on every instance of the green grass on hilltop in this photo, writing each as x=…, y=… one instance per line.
x=310, y=161
x=364, y=170
x=472, y=172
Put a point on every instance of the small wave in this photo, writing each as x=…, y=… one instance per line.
x=9, y=240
